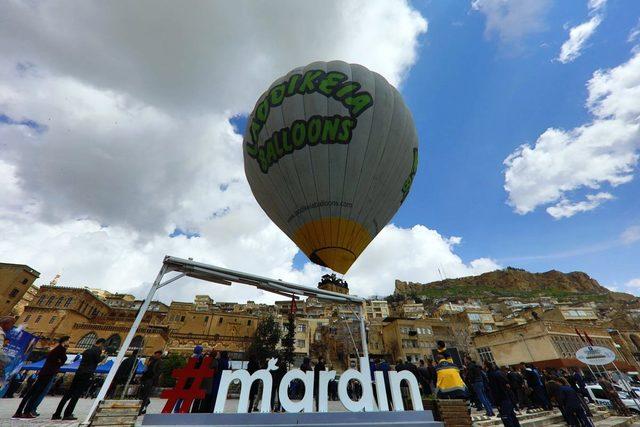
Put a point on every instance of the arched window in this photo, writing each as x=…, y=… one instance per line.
x=68, y=302
x=50, y=301
x=59, y=302
x=88, y=340
x=137, y=343
x=113, y=343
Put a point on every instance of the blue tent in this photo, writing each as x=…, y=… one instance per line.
x=72, y=367
x=35, y=366
x=106, y=367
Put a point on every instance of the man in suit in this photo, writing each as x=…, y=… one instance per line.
x=81, y=381
x=55, y=359
x=149, y=380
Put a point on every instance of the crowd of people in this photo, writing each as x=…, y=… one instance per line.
x=84, y=383
x=509, y=389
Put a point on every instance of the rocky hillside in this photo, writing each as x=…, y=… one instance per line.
x=509, y=282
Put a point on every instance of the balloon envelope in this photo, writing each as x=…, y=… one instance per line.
x=330, y=153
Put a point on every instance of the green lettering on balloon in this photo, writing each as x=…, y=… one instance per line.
x=346, y=126
x=276, y=95
x=330, y=82
x=314, y=130
x=298, y=133
x=330, y=127
x=308, y=84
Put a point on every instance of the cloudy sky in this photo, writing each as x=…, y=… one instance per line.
x=120, y=136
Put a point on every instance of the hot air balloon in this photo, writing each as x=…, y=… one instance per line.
x=330, y=153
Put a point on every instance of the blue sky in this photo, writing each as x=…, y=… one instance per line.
x=475, y=100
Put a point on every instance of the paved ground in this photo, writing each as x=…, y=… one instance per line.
x=49, y=404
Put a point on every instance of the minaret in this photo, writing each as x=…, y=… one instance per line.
x=54, y=281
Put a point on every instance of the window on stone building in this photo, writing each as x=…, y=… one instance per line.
x=112, y=343
x=50, y=301
x=301, y=343
x=206, y=319
x=475, y=317
x=38, y=319
x=137, y=343
x=59, y=301
x=13, y=293
x=302, y=327
x=41, y=300
x=25, y=281
x=53, y=319
x=220, y=320
x=67, y=303
x=88, y=340
x=485, y=354
x=26, y=319
x=249, y=322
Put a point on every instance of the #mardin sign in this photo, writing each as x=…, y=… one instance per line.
x=363, y=376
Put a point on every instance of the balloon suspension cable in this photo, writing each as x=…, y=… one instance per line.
x=355, y=347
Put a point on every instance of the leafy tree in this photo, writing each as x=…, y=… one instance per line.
x=288, y=340
x=264, y=342
x=168, y=364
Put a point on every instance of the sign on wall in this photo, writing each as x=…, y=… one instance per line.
x=594, y=355
x=17, y=350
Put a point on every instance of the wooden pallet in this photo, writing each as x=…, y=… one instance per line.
x=452, y=412
x=116, y=413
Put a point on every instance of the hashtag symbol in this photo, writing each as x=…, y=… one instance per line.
x=187, y=391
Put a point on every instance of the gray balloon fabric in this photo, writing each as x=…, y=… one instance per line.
x=330, y=153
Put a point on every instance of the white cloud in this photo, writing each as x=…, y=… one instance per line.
x=138, y=141
x=413, y=254
x=631, y=234
x=596, y=5
x=512, y=21
x=207, y=56
x=634, y=33
x=578, y=36
x=603, y=151
x=566, y=209
x=633, y=283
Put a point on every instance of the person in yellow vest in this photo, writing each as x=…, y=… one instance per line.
x=449, y=384
x=442, y=349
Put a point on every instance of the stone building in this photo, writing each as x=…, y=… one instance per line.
x=415, y=339
x=190, y=325
x=16, y=281
x=56, y=309
x=26, y=299
x=545, y=343
x=330, y=282
x=376, y=309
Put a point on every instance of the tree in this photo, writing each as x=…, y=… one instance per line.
x=171, y=362
x=264, y=342
x=288, y=340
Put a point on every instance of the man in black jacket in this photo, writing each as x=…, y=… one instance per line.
x=55, y=359
x=81, y=381
x=320, y=367
x=149, y=380
x=499, y=385
x=476, y=381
